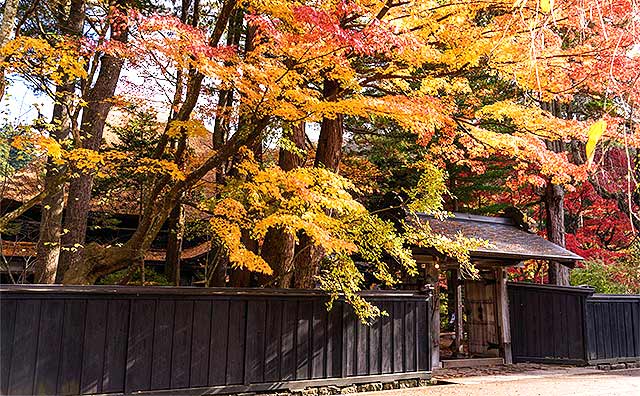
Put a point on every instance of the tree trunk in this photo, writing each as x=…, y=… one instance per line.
x=49, y=241
x=329, y=151
x=308, y=257
x=286, y=159
x=174, y=245
x=6, y=29
x=48, y=245
x=278, y=249
x=93, y=121
x=217, y=264
x=554, y=201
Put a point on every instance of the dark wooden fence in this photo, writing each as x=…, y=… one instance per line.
x=552, y=324
x=119, y=340
x=613, y=328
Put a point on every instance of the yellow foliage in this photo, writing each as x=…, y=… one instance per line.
x=311, y=201
x=161, y=167
x=85, y=159
x=595, y=133
x=59, y=62
x=190, y=128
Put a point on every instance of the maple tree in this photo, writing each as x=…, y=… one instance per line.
x=464, y=86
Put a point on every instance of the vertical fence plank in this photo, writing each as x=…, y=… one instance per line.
x=288, y=343
x=273, y=340
x=386, y=323
x=374, y=346
x=7, y=326
x=236, y=346
x=334, y=341
x=115, y=355
x=409, y=337
x=349, y=342
x=303, y=350
x=72, y=344
x=181, y=348
x=362, y=348
x=49, y=341
x=424, y=354
x=254, y=355
x=319, y=342
x=627, y=316
x=636, y=326
x=592, y=338
x=93, y=349
x=23, y=358
x=140, y=345
x=200, y=344
x=162, y=344
x=398, y=337
x=219, y=342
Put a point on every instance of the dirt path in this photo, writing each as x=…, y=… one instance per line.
x=576, y=382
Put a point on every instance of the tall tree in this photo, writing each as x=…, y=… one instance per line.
x=49, y=243
x=98, y=104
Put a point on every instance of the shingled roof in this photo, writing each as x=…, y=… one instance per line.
x=508, y=241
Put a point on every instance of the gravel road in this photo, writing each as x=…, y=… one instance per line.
x=578, y=382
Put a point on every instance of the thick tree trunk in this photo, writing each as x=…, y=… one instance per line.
x=174, y=245
x=328, y=154
x=329, y=151
x=558, y=274
x=278, y=249
x=554, y=201
x=48, y=246
x=49, y=241
x=93, y=121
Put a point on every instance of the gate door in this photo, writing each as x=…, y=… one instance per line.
x=482, y=325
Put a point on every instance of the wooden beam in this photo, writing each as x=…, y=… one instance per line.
x=503, y=315
x=432, y=274
x=458, y=323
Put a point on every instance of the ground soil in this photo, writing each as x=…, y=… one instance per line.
x=527, y=380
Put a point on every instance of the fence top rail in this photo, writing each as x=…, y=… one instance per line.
x=107, y=290
x=610, y=297
x=569, y=289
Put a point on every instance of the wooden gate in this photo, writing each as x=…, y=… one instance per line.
x=482, y=324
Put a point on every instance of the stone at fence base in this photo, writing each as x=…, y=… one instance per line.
x=355, y=388
x=349, y=389
x=390, y=385
x=370, y=387
x=309, y=392
x=618, y=366
x=328, y=390
x=605, y=367
x=408, y=383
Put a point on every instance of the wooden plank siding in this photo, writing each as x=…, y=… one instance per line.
x=613, y=324
x=552, y=324
x=120, y=340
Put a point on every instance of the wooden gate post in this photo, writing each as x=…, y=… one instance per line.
x=503, y=314
x=432, y=276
